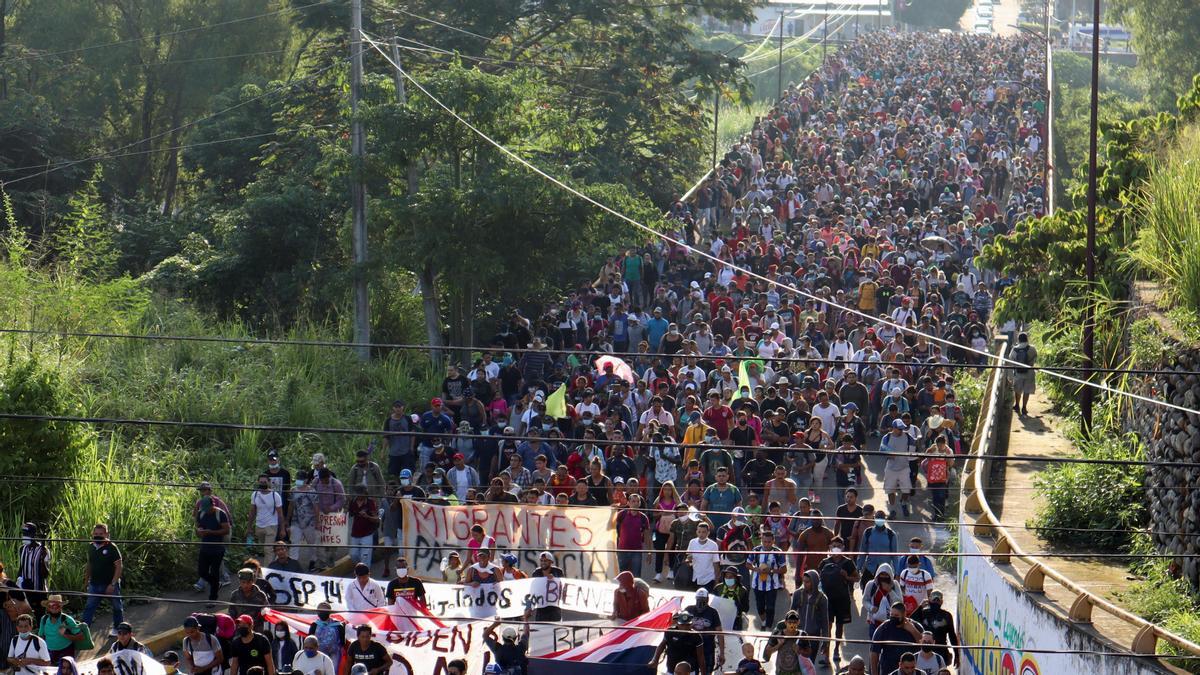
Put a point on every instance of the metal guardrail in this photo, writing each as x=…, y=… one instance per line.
x=1005, y=548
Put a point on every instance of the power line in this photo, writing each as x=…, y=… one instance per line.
x=115, y=151
x=346, y=431
x=538, y=549
x=172, y=148
x=159, y=36
x=705, y=254
x=916, y=365
x=401, y=10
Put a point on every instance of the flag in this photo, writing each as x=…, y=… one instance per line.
x=402, y=616
x=556, y=403
x=744, y=377
x=624, y=646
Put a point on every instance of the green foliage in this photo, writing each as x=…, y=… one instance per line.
x=1164, y=598
x=1165, y=33
x=1047, y=258
x=932, y=13
x=84, y=242
x=1167, y=243
x=1093, y=496
x=35, y=447
x=123, y=496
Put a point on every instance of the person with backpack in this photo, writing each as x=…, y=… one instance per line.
x=27, y=653
x=62, y=633
x=330, y=634
x=1024, y=380
x=877, y=547
x=203, y=653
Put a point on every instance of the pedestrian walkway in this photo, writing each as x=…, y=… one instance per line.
x=1016, y=503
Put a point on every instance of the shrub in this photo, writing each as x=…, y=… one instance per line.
x=1092, y=497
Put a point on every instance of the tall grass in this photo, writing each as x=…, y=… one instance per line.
x=275, y=385
x=137, y=511
x=1168, y=242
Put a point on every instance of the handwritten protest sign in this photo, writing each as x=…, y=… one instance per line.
x=581, y=538
x=333, y=529
x=505, y=600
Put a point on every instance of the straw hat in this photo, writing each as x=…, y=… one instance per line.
x=54, y=597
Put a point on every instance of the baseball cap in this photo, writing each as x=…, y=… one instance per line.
x=459, y=455
x=124, y=627
x=191, y=622
x=272, y=454
x=850, y=406
x=245, y=574
x=899, y=424
x=246, y=619
x=435, y=401
x=702, y=593
x=406, y=473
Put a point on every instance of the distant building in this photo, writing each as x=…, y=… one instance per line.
x=847, y=18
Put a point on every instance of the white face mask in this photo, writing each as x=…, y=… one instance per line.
x=26, y=540
x=405, y=482
x=835, y=549
x=401, y=572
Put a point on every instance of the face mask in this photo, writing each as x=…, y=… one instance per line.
x=437, y=481
x=895, y=620
x=926, y=648
x=730, y=582
x=23, y=635
x=170, y=670
x=880, y=522
x=835, y=549
x=702, y=602
x=281, y=634
x=273, y=465
x=936, y=604
x=299, y=482
x=26, y=540
x=402, y=572
x=914, y=549
x=97, y=539
x=310, y=653
x=547, y=427
x=264, y=487
x=324, y=616
x=243, y=631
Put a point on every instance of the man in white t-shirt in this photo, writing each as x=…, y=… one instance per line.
x=706, y=557
x=27, y=653
x=266, y=516
x=311, y=661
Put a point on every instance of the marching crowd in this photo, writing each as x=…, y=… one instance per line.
x=725, y=419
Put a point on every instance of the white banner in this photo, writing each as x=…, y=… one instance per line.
x=125, y=662
x=428, y=652
x=506, y=599
x=582, y=539
x=333, y=529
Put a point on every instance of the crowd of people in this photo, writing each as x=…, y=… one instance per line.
x=729, y=422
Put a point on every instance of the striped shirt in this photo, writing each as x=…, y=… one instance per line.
x=34, y=567
x=772, y=558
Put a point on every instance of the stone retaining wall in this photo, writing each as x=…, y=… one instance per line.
x=1172, y=493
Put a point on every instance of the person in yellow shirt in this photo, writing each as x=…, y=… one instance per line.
x=694, y=435
x=867, y=292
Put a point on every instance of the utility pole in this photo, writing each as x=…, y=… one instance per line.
x=879, y=20
x=1089, y=320
x=824, y=33
x=358, y=190
x=779, y=94
x=716, y=126
x=425, y=280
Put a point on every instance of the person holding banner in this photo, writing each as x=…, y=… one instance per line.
x=512, y=655
x=549, y=570
x=405, y=586
x=362, y=593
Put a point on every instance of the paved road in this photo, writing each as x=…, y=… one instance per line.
x=935, y=536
